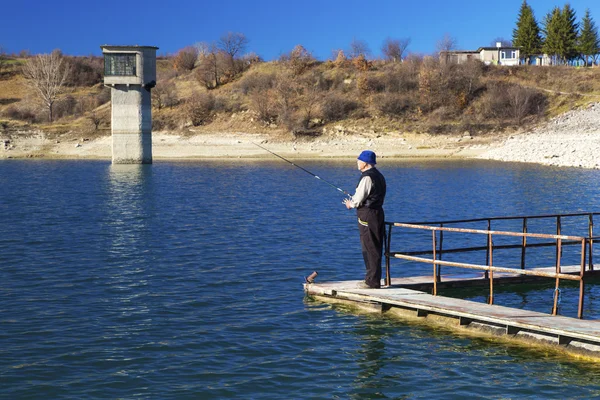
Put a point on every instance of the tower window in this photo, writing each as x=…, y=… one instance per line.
x=116, y=64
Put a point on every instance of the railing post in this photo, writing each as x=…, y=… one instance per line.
x=487, y=253
x=558, y=230
x=581, y=282
x=591, y=241
x=491, y=274
x=388, y=278
x=441, y=253
x=524, y=243
x=435, y=273
x=556, y=289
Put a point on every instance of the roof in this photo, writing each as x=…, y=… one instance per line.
x=498, y=48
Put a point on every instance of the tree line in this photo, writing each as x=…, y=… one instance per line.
x=560, y=36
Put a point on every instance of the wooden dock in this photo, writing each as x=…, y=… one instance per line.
x=568, y=335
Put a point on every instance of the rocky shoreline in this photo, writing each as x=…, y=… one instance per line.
x=570, y=140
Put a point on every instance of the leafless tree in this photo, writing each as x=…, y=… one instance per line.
x=185, y=59
x=357, y=48
x=212, y=64
x=233, y=44
x=164, y=94
x=298, y=60
x=503, y=42
x=96, y=119
x=309, y=99
x=393, y=49
x=46, y=74
x=447, y=43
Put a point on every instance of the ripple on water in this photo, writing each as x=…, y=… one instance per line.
x=183, y=280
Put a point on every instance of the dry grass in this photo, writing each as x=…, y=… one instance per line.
x=373, y=93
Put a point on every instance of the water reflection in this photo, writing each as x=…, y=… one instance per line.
x=371, y=359
x=125, y=206
x=128, y=247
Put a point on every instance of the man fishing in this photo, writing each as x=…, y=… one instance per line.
x=368, y=201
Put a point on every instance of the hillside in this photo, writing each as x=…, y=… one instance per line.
x=284, y=100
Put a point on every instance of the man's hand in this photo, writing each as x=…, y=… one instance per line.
x=348, y=203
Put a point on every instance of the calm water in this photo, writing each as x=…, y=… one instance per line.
x=183, y=280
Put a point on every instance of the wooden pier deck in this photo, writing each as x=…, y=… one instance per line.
x=569, y=335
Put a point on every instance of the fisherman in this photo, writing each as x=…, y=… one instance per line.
x=368, y=201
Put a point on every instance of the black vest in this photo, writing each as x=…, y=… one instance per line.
x=375, y=198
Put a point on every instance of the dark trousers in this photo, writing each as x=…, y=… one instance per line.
x=371, y=227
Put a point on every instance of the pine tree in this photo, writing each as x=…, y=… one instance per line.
x=526, y=35
x=553, y=26
x=588, y=44
x=569, y=30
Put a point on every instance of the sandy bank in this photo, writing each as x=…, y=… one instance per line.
x=240, y=145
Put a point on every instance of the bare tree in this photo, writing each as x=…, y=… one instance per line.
x=358, y=48
x=185, y=59
x=393, y=49
x=211, y=66
x=298, y=60
x=164, y=94
x=503, y=42
x=46, y=74
x=95, y=119
x=233, y=44
x=447, y=43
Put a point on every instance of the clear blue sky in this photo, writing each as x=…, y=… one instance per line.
x=272, y=26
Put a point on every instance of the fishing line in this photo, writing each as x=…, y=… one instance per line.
x=303, y=169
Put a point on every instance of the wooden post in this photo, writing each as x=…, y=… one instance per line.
x=435, y=277
x=524, y=243
x=487, y=253
x=558, y=230
x=556, y=288
x=388, y=278
x=591, y=241
x=441, y=254
x=491, y=274
x=581, y=282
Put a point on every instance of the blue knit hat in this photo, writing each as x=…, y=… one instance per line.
x=368, y=156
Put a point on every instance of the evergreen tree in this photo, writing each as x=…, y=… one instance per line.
x=526, y=35
x=569, y=30
x=588, y=44
x=553, y=26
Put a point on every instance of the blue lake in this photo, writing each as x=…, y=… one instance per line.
x=184, y=280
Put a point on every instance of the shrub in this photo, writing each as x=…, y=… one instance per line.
x=65, y=107
x=512, y=101
x=85, y=71
x=261, y=102
x=257, y=81
x=21, y=114
x=199, y=108
x=103, y=96
x=298, y=60
x=400, y=78
x=185, y=59
x=371, y=83
x=336, y=107
x=393, y=105
x=223, y=104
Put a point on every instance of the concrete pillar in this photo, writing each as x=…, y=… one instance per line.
x=130, y=72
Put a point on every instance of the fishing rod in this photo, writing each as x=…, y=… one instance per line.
x=303, y=169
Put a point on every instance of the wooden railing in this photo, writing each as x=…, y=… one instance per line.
x=557, y=240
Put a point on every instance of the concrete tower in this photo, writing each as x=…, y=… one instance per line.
x=130, y=72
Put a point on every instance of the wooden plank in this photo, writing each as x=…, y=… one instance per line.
x=564, y=328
